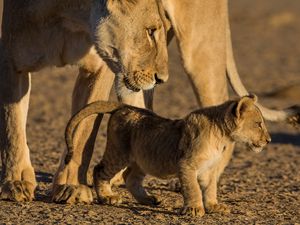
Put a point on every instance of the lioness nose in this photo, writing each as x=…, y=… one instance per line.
x=158, y=80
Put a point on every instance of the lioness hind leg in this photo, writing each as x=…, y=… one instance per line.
x=18, y=178
x=134, y=177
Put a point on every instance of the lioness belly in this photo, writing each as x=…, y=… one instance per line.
x=41, y=44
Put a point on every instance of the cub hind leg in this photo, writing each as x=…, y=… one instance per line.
x=134, y=177
x=112, y=163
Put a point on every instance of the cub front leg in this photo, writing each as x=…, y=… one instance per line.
x=191, y=192
x=208, y=183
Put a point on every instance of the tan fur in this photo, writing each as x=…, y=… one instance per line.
x=203, y=30
x=41, y=33
x=189, y=148
x=127, y=38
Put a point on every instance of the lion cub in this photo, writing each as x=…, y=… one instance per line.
x=190, y=148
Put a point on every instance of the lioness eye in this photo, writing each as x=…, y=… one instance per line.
x=151, y=31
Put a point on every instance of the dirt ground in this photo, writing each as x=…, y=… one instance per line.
x=259, y=188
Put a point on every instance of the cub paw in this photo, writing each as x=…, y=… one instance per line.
x=175, y=185
x=217, y=208
x=111, y=200
x=150, y=200
x=72, y=194
x=192, y=211
x=20, y=191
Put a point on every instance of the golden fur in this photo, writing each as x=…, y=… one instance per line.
x=127, y=38
x=188, y=148
x=94, y=34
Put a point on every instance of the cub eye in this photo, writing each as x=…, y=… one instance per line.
x=151, y=31
x=259, y=125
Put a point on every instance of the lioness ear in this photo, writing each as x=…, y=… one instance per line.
x=244, y=103
x=163, y=16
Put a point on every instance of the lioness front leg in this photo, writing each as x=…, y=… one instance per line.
x=18, y=178
x=191, y=192
x=70, y=181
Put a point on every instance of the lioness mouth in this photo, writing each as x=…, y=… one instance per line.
x=130, y=86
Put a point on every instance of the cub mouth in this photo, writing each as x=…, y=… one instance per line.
x=255, y=147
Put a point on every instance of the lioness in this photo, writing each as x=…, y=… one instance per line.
x=190, y=148
x=102, y=37
x=105, y=37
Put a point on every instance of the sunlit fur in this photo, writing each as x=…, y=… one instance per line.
x=187, y=148
x=101, y=37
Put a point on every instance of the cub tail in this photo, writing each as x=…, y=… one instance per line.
x=98, y=107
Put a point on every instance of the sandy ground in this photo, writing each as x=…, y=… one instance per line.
x=259, y=188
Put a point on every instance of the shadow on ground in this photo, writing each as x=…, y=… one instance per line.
x=284, y=138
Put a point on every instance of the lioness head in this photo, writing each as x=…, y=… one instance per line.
x=130, y=35
x=250, y=126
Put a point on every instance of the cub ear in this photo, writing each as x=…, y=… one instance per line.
x=244, y=103
x=109, y=4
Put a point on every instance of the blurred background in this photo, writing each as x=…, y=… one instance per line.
x=261, y=188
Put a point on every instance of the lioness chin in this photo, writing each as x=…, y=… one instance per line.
x=188, y=148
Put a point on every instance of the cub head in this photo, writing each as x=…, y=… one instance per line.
x=130, y=35
x=250, y=127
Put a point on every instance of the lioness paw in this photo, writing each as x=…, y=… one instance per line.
x=192, y=211
x=20, y=191
x=72, y=194
x=217, y=208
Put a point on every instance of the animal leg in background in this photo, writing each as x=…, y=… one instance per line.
x=70, y=182
x=18, y=178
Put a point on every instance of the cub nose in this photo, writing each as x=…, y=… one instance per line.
x=268, y=139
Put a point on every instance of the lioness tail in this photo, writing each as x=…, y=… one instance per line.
x=290, y=115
